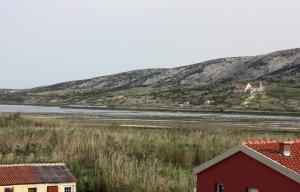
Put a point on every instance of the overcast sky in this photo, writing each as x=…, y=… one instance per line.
x=49, y=41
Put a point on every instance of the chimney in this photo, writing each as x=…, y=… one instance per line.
x=285, y=148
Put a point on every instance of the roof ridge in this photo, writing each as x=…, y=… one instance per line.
x=33, y=164
x=38, y=173
x=269, y=141
x=259, y=141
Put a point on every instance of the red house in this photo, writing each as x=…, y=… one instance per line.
x=254, y=166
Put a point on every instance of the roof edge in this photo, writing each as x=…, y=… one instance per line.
x=272, y=164
x=41, y=183
x=33, y=164
x=255, y=155
x=216, y=160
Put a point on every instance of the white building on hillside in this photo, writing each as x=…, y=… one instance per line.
x=248, y=88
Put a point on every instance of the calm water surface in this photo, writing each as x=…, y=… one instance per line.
x=116, y=113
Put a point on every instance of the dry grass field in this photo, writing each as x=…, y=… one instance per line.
x=108, y=157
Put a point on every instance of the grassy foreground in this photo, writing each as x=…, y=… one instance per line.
x=114, y=159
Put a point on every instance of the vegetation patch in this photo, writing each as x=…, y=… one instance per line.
x=114, y=158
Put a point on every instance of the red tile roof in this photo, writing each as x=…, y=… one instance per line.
x=35, y=174
x=270, y=149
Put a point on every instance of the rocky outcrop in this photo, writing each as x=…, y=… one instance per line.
x=280, y=65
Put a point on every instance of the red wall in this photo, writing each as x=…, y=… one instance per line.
x=241, y=171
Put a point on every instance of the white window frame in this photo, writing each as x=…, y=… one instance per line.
x=252, y=189
x=218, y=185
x=71, y=188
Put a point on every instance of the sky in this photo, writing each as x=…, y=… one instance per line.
x=51, y=41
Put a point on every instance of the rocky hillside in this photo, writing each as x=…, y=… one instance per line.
x=275, y=66
x=168, y=86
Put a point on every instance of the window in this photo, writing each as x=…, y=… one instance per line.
x=68, y=189
x=219, y=187
x=8, y=189
x=252, y=189
x=31, y=189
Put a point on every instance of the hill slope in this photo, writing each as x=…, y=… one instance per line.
x=274, y=67
x=164, y=86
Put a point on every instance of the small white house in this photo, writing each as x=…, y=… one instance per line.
x=36, y=178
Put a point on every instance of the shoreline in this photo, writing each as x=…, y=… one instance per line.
x=175, y=110
x=235, y=112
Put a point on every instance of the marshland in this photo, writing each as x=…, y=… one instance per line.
x=130, y=154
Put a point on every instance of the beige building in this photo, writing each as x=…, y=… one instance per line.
x=248, y=88
x=36, y=178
